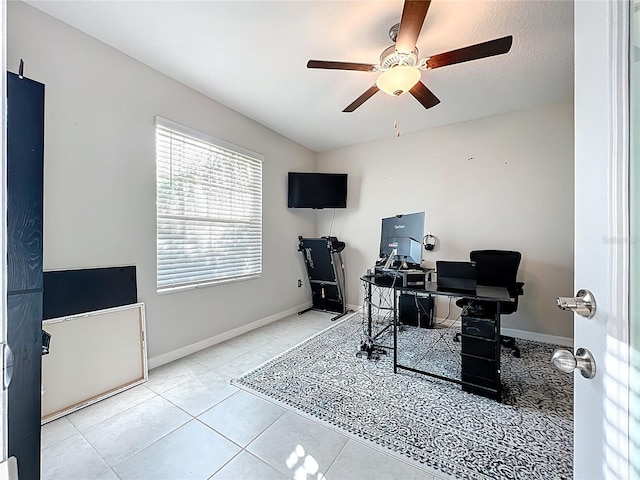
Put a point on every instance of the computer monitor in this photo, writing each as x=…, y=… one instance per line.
x=401, y=239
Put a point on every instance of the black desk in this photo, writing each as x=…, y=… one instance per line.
x=370, y=281
x=372, y=348
x=480, y=371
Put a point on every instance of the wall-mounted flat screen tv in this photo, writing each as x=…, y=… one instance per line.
x=317, y=190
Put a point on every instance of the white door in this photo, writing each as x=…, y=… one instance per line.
x=602, y=247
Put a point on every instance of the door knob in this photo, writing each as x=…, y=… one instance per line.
x=567, y=362
x=584, y=303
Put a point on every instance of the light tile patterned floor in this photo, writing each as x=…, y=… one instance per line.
x=188, y=422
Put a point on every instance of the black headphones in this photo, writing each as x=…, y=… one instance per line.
x=429, y=241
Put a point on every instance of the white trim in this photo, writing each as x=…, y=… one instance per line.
x=205, y=137
x=354, y=308
x=94, y=312
x=168, y=357
x=512, y=332
x=537, y=337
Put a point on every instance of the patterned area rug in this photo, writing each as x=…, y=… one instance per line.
x=528, y=435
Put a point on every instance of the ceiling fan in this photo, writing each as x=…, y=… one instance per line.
x=399, y=64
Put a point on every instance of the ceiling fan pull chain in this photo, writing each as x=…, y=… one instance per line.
x=396, y=122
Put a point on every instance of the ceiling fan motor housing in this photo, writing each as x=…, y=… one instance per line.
x=389, y=58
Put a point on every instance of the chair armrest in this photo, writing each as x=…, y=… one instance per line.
x=519, y=288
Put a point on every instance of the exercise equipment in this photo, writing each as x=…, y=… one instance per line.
x=323, y=259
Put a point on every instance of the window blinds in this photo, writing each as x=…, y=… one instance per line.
x=209, y=209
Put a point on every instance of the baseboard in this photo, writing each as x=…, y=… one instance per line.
x=537, y=337
x=195, y=347
x=354, y=308
x=523, y=334
x=168, y=357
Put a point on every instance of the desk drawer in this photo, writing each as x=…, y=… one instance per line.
x=479, y=347
x=480, y=367
x=480, y=327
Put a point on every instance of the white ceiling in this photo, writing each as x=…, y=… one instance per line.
x=252, y=55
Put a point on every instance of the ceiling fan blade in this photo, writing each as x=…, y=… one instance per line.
x=472, y=52
x=424, y=95
x=363, y=67
x=413, y=15
x=361, y=99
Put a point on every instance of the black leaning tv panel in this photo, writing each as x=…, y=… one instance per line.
x=69, y=292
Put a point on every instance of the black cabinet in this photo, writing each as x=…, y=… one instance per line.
x=25, y=146
x=481, y=356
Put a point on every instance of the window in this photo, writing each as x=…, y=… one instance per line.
x=209, y=209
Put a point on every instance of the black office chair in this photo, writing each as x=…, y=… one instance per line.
x=496, y=268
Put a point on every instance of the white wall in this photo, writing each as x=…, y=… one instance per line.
x=503, y=182
x=100, y=178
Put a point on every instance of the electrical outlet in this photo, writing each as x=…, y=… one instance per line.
x=299, y=283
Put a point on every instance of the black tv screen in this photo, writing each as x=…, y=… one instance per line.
x=317, y=190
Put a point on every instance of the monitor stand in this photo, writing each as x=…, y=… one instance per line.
x=389, y=262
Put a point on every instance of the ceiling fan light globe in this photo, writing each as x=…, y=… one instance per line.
x=398, y=80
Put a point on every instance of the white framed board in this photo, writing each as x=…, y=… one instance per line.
x=92, y=356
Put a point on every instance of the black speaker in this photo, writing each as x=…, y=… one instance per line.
x=415, y=311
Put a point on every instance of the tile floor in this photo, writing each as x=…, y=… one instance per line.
x=188, y=422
